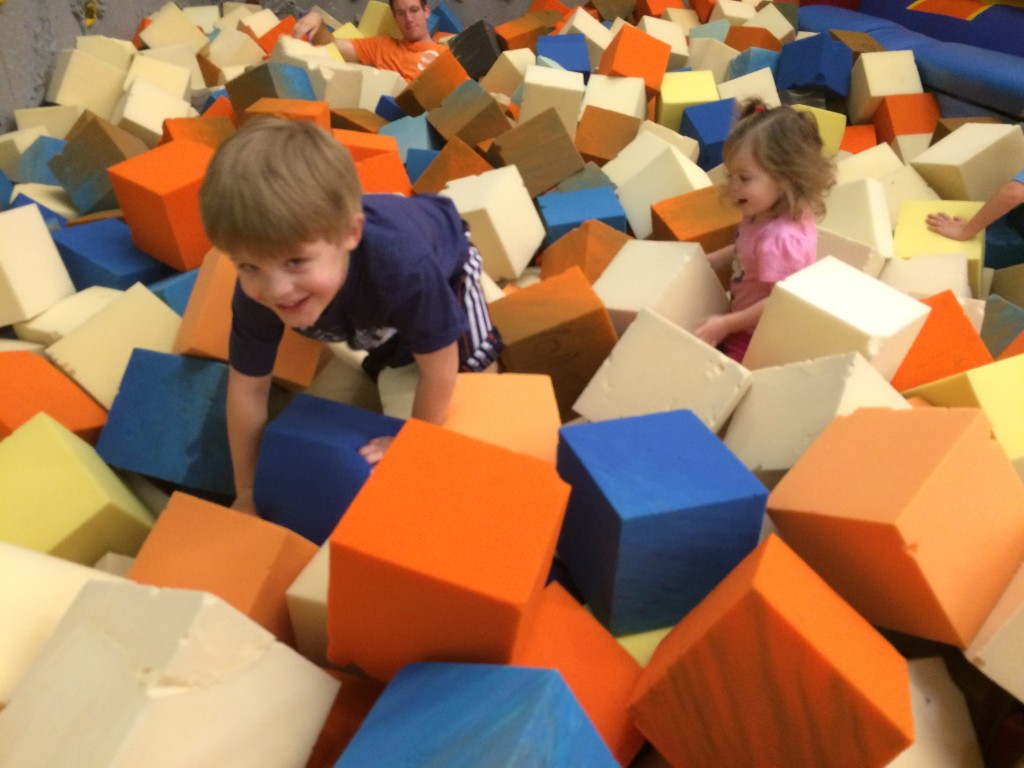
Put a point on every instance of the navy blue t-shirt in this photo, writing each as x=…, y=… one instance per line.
x=402, y=279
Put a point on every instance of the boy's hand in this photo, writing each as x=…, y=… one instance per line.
x=374, y=450
x=952, y=227
x=308, y=26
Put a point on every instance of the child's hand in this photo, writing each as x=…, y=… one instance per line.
x=307, y=27
x=374, y=450
x=952, y=227
x=713, y=330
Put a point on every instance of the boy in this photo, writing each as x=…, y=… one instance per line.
x=393, y=275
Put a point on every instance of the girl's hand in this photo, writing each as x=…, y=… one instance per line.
x=714, y=329
x=307, y=27
x=374, y=450
x=952, y=227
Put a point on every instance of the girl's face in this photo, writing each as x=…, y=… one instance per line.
x=753, y=190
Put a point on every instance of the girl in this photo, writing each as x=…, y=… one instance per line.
x=778, y=178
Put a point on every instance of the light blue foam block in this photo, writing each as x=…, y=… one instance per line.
x=412, y=132
x=176, y=290
x=562, y=212
x=34, y=165
x=752, y=60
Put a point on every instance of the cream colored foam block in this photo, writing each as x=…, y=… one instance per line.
x=711, y=55
x=684, y=17
x=672, y=279
x=231, y=49
x=595, y=34
x=837, y=309
x=996, y=648
x=877, y=162
x=32, y=275
x=152, y=497
x=667, y=173
x=180, y=56
x=49, y=196
x=672, y=34
x=507, y=72
x=61, y=498
x=911, y=145
x=142, y=109
x=637, y=154
x=944, y=736
x=13, y=145
x=55, y=120
x=115, y=564
x=788, y=406
x=831, y=126
x=770, y=17
x=81, y=79
x=203, y=16
x=545, y=87
x=35, y=590
x=302, y=53
x=343, y=380
x=17, y=345
x=928, y=274
x=757, y=84
x=858, y=255
x=171, y=26
x=96, y=353
x=66, y=315
x=233, y=13
x=685, y=144
x=903, y=185
x=973, y=161
x=167, y=678
x=625, y=95
x=505, y=223
x=913, y=238
x=307, y=607
x=734, y=11
x=860, y=211
x=356, y=86
x=876, y=74
x=260, y=22
x=116, y=52
x=172, y=78
x=656, y=366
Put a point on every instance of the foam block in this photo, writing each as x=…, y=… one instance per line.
x=590, y=246
x=972, y=162
x=596, y=35
x=541, y=148
x=701, y=216
x=668, y=32
x=170, y=25
x=81, y=79
x=466, y=714
x=876, y=74
x=841, y=310
x=624, y=95
x=101, y=253
x=306, y=598
x=65, y=315
x=709, y=125
x=667, y=174
x=909, y=113
x=859, y=210
x=358, y=86
x=620, y=523
x=506, y=74
x=55, y=120
x=773, y=610
x=569, y=51
x=316, y=112
x=860, y=496
x=149, y=668
x=602, y=133
x=388, y=590
x=270, y=79
x=911, y=236
x=63, y=499
x=995, y=648
x=928, y=274
x=817, y=62
x=1004, y=322
x=32, y=276
x=690, y=374
x=442, y=76
x=565, y=211
x=456, y=160
x=143, y=108
x=470, y=113
x=681, y=90
x=634, y=53
x=33, y=165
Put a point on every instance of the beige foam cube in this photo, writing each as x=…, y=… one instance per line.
x=686, y=18
x=66, y=315
x=876, y=74
x=179, y=56
x=116, y=52
x=877, y=162
x=232, y=49
x=343, y=379
x=143, y=108
x=115, y=564
x=685, y=144
x=672, y=279
x=859, y=209
x=641, y=645
x=50, y=196
x=734, y=11
x=545, y=87
x=903, y=185
x=837, y=309
x=667, y=173
x=32, y=275
x=656, y=366
x=712, y=55
x=858, y=255
x=910, y=145
x=506, y=226
x=17, y=345
x=625, y=95
x=96, y=353
x=232, y=15
x=35, y=591
x=769, y=17
x=54, y=120
x=972, y=162
x=757, y=84
x=13, y=145
x=167, y=678
x=928, y=274
x=597, y=36
x=672, y=34
x=507, y=73
x=260, y=22
x=152, y=497
x=203, y=16
x=788, y=406
x=356, y=86
x=995, y=650
x=913, y=238
x=169, y=77
x=171, y=26
x=1008, y=282
x=307, y=607
x=302, y=53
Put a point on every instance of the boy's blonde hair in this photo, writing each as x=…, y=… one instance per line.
x=786, y=143
x=276, y=184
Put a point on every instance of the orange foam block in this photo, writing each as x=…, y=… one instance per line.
x=158, y=191
x=857, y=138
x=655, y=7
x=904, y=114
x=742, y=38
x=946, y=344
x=599, y=671
x=211, y=130
x=303, y=110
x=455, y=160
x=221, y=107
x=362, y=145
x=30, y=383
x=591, y=246
x=700, y=216
x=442, y=76
x=443, y=554
x=384, y=173
x=268, y=39
x=244, y=560
x=634, y=53
x=206, y=326
x=773, y=668
x=916, y=517
x=703, y=9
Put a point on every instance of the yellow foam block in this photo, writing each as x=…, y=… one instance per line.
x=66, y=315
x=642, y=645
x=597, y=36
x=546, y=87
x=171, y=26
x=973, y=161
x=837, y=309
x=995, y=650
x=82, y=79
x=876, y=74
x=507, y=72
x=377, y=19
x=831, y=126
x=759, y=84
x=656, y=366
x=680, y=90
x=307, y=607
x=913, y=238
x=96, y=353
x=144, y=107
x=624, y=95
x=62, y=499
x=860, y=210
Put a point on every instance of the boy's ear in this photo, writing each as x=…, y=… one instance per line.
x=354, y=233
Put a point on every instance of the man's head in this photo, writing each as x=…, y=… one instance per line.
x=411, y=17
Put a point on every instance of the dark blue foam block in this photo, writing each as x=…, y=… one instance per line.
x=568, y=51
x=752, y=60
x=168, y=422
x=443, y=19
x=471, y=715
x=818, y=62
x=309, y=468
x=176, y=290
x=417, y=160
x=388, y=108
x=562, y=212
x=1004, y=244
x=708, y=124
x=102, y=253
x=660, y=512
x=34, y=165
x=6, y=191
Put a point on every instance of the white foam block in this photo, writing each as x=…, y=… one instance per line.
x=203, y=16
x=66, y=315
x=910, y=145
x=135, y=675
x=858, y=255
x=50, y=196
x=673, y=35
x=597, y=36
x=905, y=184
x=179, y=56
x=507, y=72
x=260, y=22
x=171, y=26
x=168, y=76
x=355, y=86
x=115, y=51
x=996, y=649
x=877, y=162
x=689, y=147
x=307, y=607
x=54, y=120
x=972, y=162
x=32, y=275
x=656, y=366
x=625, y=95
x=231, y=49
x=859, y=210
x=757, y=84
x=667, y=173
x=711, y=55
x=143, y=109
x=877, y=74
x=927, y=274
x=734, y=11
x=302, y=53
x=546, y=88
x=837, y=309
x=82, y=79
x=13, y=145
x=770, y=17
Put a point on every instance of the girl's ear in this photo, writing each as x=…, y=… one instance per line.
x=354, y=233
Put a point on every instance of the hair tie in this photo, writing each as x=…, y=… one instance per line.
x=759, y=108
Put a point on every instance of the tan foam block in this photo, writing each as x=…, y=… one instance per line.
x=306, y=598
x=456, y=160
x=35, y=591
x=927, y=274
x=910, y=146
x=913, y=238
x=624, y=95
x=231, y=52
x=66, y=315
x=858, y=255
x=116, y=52
x=670, y=33
x=505, y=224
x=904, y=185
x=769, y=17
x=115, y=564
x=590, y=246
x=839, y=309
x=442, y=76
x=680, y=90
x=547, y=88
x=712, y=55
x=144, y=107
x=470, y=113
x=860, y=210
x=831, y=126
x=973, y=161
x=342, y=379
x=995, y=650
x=508, y=71
x=878, y=74
x=62, y=499
x=165, y=676
x=205, y=17
x=668, y=173
x=858, y=42
x=49, y=196
x=96, y=353
x=541, y=148
x=602, y=133
x=557, y=327
x=877, y=506
x=80, y=79
x=701, y=216
x=788, y=406
x=56, y=120
x=171, y=26
x=597, y=36
x=775, y=654
x=657, y=366
x=358, y=86
x=259, y=23
x=760, y=84
x=672, y=279
x=733, y=11
x=13, y=145
x=174, y=79
x=877, y=162
x=193, y=546
x=947, y=125
x=357, y=119
x=32, y=275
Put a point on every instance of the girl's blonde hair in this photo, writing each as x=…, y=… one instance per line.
x=786, y=143
x=276, y=184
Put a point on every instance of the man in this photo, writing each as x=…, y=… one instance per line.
x=408, y=56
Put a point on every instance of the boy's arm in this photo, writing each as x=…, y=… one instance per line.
x=246, y=419
x=1006, y=198
x=311, y=27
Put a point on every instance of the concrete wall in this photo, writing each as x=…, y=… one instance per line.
x=32, y=32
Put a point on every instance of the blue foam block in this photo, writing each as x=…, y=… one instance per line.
x=412, y=132
x=388, y=108
x=589, y=177
x=168, y=422
x=176, y=290
x=214, y=94
x=752, y=60
x=568, y=51
x=417, y=160
x=708, y=124
x=102, y=253
x=817, y=62
x=6, y=191
x=34, y=165
x=309, y=468
x=291, y=82
x=54, y=220
x=660, y=512
x=1004, y=322
x=443, y=19
x=471, y=715
x=716, y=30
x=562, y=212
